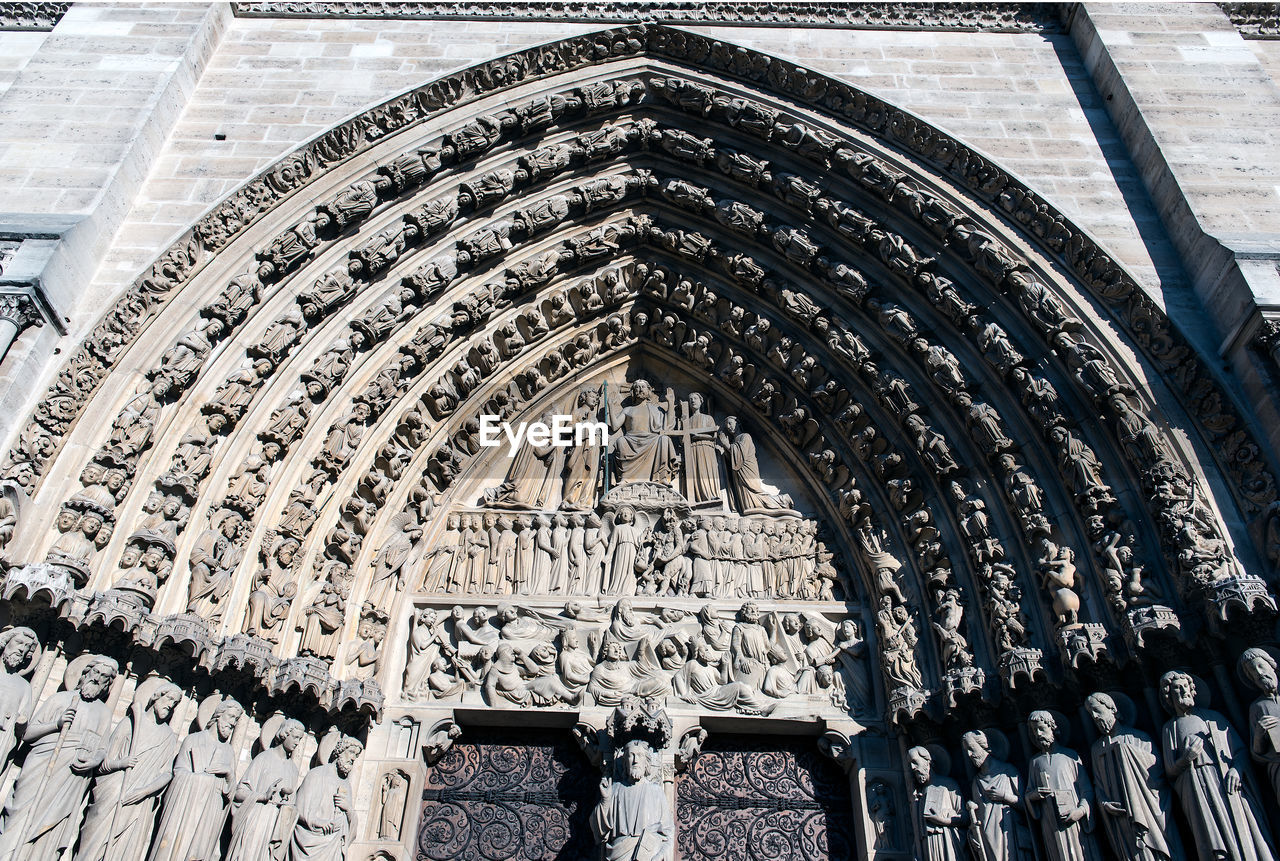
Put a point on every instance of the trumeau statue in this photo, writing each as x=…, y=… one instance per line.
x=1206, y=762
x=633, y=820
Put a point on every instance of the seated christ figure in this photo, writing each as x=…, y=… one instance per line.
x=641, y=449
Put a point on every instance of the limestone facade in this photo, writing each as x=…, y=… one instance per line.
x=936, y=350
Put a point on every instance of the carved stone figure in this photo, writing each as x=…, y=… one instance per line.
x=394, y=794
x=633, y=820
x=262, y=807
x=1205, y=759
x=137, y=769
x=1059, y=795
x=701, y=682
x=640, y=448
x=938, y=810
x=66, y=740
x=214, y=557
x=326, y=821
x=19, y=651
x=744, y=472
x=996, y=830
x=388, y=563
x=273, y=590
x=1128, y=783
x=1258, y=668
x=195, y=804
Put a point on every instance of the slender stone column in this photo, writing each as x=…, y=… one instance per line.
x=17, y=312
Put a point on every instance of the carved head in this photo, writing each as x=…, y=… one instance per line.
x=1258, y=668
x=921, y=762
x=225, y=717
x=625, y=611
x=791, y=623
x=613, y=651
x=1043, y=728
x=130, y=555
x=825, y=676
x=164, y=699
x=639, y=760
x=344, y=756
x=96, y=679
x=695, y=402
x=847, y=630
x=731, y=425
x=749, y=613
x=90, y=523
x=976, y=748
x=19, y=650
x=1177, y=692
x=1102, y=709
x=479, y=617
x=641, y=391
x=67, y=519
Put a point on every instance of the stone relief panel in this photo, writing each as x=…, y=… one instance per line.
x=694, y=655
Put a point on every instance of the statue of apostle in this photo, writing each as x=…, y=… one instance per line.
x=1205, y=759
x=263, y=815
x=326, y=821
x=18, y=650
x=1127, y=784
x=996, y=830
x=67, y=744
x=641, y=449
x=937, y=809
x=1258, y=668
x=1059, y=794
x=137, y=768
x=633, y=820
x=195, y=804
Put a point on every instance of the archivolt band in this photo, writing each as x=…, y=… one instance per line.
x=901, y=462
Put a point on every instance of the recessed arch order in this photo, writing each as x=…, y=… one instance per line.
x=1022, y=469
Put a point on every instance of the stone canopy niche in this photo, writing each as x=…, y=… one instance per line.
x=972, y=468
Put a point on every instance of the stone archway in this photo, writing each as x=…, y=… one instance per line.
x=1004, y=467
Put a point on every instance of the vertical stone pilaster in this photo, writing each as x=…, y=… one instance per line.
x=1200, y=116
x=80, y=128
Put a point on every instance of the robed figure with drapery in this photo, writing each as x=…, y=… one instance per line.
x=1128, y=787
x=137, y=769
x=641, y=448
x=1207, y=764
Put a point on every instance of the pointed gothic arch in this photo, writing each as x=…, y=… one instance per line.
x=952, y=368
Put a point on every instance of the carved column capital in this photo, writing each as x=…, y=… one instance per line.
x=20, y=310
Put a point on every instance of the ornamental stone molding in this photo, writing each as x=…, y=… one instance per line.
x=1255, y=20
x=31, y=16
x=967, y=17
